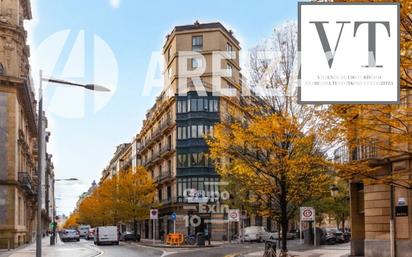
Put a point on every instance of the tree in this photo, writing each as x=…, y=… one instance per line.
x=378, y=131
x=135, y=194
x=127, y=196
x=72, y=221
x=271, y=145
x=99, y=208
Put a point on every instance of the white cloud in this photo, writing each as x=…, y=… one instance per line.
x=115, y=3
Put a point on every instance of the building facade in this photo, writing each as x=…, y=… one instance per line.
x=171, y=144
x=17, y=128
x=373, y=205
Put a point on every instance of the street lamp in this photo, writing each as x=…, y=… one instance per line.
x=40, y=144
x=334, y=190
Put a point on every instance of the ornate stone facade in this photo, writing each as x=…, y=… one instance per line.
x=17, y=128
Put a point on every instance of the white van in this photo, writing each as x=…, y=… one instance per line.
x=106, y=235
x=84, y=229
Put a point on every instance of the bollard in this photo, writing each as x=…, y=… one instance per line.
x=8, y=244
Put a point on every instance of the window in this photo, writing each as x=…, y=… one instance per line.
x=200, y=131
x=200, y=104
x=182, y=160
x=194, y=131
x=181, y=132
x=181, y=106
x=197, y=43
x=193, y=106
x=169, y=53
x=213, y=106
x=229, y=47
x=229, y=70
x=196, y=63
x=2, y=71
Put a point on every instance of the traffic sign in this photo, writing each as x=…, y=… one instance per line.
x=154, y=214
x=307, y=214
x=173, y=216
x=234, y=215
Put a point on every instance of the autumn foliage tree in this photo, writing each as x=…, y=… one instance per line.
x=72, y=221
x=271, y=146
x=378, y=131
x=125, y=197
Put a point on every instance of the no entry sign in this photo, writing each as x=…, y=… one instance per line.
x=154, y=214
x=307, y=214
x=234, y=215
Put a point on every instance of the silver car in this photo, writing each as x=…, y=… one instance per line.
x=256, y=233
x=70, y=235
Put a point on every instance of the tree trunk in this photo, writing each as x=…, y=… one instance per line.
x=284, y=216
x=135, y=229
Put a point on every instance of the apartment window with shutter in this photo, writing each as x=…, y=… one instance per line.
x=197, y=43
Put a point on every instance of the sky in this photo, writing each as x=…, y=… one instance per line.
x=112, y=43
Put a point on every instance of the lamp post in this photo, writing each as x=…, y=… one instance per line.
x=40, y=146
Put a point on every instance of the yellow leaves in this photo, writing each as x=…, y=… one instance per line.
x=72, y=221
x=125, y=196
x=273, y=150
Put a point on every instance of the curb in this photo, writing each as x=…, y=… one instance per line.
x=174, y=246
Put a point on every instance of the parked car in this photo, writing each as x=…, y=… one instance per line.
x=84, y=230
x=106, y=235
x=332, y=236
x=129, y=236
x=256, y=233
x=70, y=235
x=289, y=235
x=90, y=234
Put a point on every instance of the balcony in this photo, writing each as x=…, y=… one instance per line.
x=157, y=134
x=164, y=176
x=165, y=150
x=27, y=183
x=361, y=152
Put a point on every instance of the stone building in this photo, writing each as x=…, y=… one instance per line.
x=372, y=205
x=171, y=143
x=17, y=127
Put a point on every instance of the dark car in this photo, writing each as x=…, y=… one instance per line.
x=332, y=236
x=129, y=236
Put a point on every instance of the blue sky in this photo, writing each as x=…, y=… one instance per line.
x=82, y=147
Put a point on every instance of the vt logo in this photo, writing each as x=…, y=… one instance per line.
x=349, y=53
x=371, y=39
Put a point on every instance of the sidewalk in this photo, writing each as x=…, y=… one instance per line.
x=340, y=250
x=161, y=244
x=31, y=247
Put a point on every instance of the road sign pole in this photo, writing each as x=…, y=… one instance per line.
x=314, y=228
x=300, y=231
x=153, y=231
x=174, y=226
x=228, y=231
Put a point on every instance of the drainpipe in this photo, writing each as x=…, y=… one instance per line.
x=392, y=228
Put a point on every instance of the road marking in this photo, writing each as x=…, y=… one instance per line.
x=93, y=247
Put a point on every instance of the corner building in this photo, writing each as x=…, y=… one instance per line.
x=171, y=143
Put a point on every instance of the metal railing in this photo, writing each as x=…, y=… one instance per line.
x=26, y=182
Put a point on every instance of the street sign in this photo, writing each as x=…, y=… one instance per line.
x=154, y=214
x=307, y=214
x=173, y=216
x=234, y=215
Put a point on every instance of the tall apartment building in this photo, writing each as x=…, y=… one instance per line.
x=17, y=127
x=171, y=143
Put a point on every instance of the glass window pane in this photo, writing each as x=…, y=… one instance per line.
x=200, y=131
x=184, y=132
x=193, y=105
x=194, y=131
x=200, y=104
